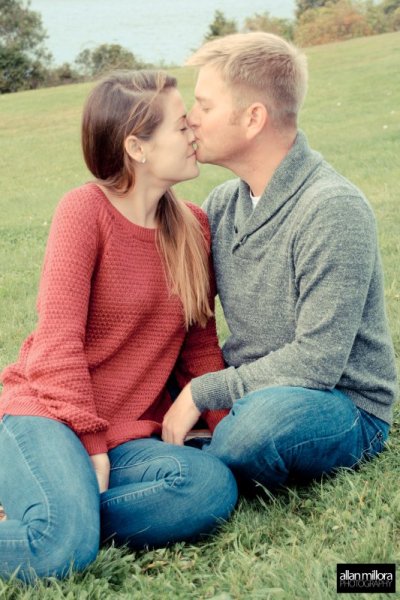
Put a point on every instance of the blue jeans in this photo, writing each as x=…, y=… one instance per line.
x=279, y=434
x=56, y=517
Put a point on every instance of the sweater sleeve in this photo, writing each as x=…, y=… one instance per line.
x=334, y=255
x=57, y=368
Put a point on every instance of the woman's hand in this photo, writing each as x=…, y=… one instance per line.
x=101, y=466
x=180, y=418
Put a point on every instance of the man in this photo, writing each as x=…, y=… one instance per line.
x=310, y=371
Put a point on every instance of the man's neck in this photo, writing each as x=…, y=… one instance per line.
x=261, y=163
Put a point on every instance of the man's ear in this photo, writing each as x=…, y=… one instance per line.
x=134, y=148
x=255, y=119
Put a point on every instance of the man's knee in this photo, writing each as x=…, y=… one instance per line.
x=263, y=427
x=254, y=420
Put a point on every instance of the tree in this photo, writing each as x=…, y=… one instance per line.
x=23, y=57
x=264, y=22
x=220, y=26
x=62, y=75
x=395, y=20
x=106, y=57
x=390, y=6
x=303, y=5
x=13, y=69
x=391, y=10
x=339, y=20
x=375, y=16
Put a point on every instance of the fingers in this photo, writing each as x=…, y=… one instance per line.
x=103, y=483
x=180, y=418
x=101, y=465
x=171, y=433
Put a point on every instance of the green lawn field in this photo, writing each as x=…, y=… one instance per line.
x=283, y=547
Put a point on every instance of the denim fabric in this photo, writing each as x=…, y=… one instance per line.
x=279, y=434
x=50, y=495
x=158, y=494
x=162, y=493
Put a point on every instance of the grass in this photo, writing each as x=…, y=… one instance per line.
x=285, y=547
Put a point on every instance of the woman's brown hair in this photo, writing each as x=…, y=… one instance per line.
x=130, y=103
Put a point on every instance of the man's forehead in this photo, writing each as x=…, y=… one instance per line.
x=209, y=81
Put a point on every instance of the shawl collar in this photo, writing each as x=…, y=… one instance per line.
x=286, y=181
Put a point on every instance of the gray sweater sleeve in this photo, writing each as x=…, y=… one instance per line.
x=334, y=253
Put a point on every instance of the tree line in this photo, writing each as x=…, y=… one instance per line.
x=25, y=63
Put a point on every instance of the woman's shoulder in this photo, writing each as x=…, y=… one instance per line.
x=83, y=206
x=83, y=199
x=202, y=218
x=198, y=212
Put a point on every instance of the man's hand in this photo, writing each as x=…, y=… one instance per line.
x=180, y=418
x=101, y=466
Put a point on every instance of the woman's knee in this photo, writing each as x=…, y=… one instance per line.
x=74, y=542
x=193, y=493
x=56, y=535
x=77, y=550
x=52, y=551
x=204, y=484
x=215, y=491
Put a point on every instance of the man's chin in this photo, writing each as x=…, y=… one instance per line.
x=203, y=158
x=200, y=157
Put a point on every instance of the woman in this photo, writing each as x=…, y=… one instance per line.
x=124, y=305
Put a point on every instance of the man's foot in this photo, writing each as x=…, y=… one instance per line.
x=3, y=515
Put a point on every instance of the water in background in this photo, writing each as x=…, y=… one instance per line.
x=154, y=30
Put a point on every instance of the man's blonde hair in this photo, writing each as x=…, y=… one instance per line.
x=260, y=67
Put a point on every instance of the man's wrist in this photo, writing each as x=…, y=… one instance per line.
x=211, y=392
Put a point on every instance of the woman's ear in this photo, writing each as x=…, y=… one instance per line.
x=134, y=148
x=256, y=119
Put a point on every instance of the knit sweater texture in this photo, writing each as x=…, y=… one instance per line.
x=301, y=286
x=109, y=332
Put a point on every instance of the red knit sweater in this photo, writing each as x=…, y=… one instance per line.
x=109, y=333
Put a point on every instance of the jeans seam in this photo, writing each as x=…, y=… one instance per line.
x=367, y=451
x=290, y=448
x=132, y=493
x=152, y=488
x=150, y=460
x=326, y=437
x=41, y=535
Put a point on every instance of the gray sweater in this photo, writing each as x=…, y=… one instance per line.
x=301, y=286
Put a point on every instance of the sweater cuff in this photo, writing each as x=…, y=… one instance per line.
x=210, y=391
x=95, y=443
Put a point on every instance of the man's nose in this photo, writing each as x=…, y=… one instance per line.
x=191, y=118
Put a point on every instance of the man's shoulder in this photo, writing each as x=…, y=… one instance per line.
x=328, y=186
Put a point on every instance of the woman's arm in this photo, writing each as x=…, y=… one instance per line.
x=57, y=368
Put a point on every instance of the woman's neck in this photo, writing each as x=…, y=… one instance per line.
x=137, y=205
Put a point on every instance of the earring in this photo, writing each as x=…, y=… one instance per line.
x=143, y=160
